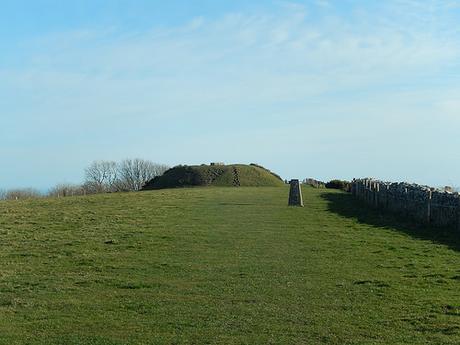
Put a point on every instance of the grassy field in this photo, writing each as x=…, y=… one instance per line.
x=222, y=266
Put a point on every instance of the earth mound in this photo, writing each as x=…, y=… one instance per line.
x=235, y=175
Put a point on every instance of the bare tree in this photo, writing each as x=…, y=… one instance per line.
x=23, y=193
x=128, y=175
x=65, y=190
x=133, y=174
x=101, y=177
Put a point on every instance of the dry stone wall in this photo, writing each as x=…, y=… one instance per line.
x=422, y=204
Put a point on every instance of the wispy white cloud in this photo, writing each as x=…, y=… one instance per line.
x=263, y=75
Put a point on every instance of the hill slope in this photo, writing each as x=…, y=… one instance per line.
x=215, y=175
x=221, y=266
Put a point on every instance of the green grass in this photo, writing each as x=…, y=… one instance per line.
x=249, y=176
x=222, y=266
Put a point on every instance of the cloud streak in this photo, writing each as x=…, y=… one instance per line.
x=248, y=75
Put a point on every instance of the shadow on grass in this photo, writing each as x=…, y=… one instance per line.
x=346, y=205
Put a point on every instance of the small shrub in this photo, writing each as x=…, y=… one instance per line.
x=314, y=183
x=339, y=184
x=21, y=194
x=66, y=190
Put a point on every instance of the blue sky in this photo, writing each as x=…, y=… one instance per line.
x=315, y=88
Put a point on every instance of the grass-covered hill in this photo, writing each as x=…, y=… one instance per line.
x=222, y=266
x=216, y=175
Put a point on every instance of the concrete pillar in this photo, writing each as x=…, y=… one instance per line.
x=295, y=194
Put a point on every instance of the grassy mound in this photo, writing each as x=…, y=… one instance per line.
x=215, y=175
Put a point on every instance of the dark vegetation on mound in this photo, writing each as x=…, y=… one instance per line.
x=215, y=175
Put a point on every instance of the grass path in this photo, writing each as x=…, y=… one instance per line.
x=221, y=266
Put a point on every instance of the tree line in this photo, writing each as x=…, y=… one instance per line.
x=102, y=176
